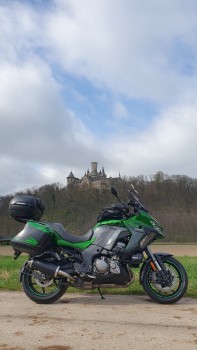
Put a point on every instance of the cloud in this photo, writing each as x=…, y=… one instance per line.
x=128, y=51
x=37, y=130
x=126, y=47
x=168, y=144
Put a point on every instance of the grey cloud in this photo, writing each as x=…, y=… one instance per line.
x=37, y=131
x=168, y=144
x=127, y=49
x=120, y=45
x=32, y=113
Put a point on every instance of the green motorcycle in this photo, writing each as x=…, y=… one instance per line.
x=102, y=258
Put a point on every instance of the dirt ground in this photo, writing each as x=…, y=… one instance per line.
x=84, y=321
x=175, y=249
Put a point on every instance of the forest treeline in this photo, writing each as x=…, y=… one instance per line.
x=171, y=200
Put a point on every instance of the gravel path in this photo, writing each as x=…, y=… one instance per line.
x=176, y=249
x=84, y=321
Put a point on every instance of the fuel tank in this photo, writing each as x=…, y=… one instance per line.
x=106, y=236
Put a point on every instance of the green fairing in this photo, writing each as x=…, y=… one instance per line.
x=143, y=219
x=135, y=221
x=79, y=245
x=110, y=222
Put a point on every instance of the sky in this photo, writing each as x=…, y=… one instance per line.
x=112, y=81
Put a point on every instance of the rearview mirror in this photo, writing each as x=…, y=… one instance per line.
x=114, y=192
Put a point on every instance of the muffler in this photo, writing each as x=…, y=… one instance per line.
x=49, y=268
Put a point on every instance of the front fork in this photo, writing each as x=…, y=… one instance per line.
x=155, y=260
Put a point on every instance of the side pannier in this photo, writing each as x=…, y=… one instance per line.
x=35, y=238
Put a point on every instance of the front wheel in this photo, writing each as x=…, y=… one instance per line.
x=41, y=288
x=166, y=288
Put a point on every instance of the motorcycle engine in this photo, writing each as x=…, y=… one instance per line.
x=105, y=265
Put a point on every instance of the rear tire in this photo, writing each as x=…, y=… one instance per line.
x=174, y=291
x=42, y=291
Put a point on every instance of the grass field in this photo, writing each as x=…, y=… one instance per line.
x=172, y=248
x=9, y=276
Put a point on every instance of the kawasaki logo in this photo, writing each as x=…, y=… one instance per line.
x=31, y=241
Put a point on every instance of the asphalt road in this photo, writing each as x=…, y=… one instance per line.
x=84, y=321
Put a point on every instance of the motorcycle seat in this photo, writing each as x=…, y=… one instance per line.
x=59, y=228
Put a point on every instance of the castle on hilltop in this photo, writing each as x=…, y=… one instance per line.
x=91, y=179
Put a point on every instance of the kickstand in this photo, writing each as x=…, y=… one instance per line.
x=101, y=294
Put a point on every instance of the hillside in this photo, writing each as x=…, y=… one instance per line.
x=172, y=200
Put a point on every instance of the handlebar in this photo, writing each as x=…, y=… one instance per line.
x=133, y=199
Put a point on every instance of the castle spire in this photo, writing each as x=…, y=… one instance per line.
x=70, y=175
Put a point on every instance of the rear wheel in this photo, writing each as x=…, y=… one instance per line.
x=168, y=288
x=41, y=288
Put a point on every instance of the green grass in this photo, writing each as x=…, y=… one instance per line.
x=9, y=276
x=190, y=264
x=9, y=272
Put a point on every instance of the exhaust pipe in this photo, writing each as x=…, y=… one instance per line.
x=49, y=268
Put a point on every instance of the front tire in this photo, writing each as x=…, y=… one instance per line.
x=40, y=288
x=173, y=290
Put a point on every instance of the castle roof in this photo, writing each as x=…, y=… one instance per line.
x=71, y=175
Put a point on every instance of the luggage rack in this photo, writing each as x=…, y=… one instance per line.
x=5, y=239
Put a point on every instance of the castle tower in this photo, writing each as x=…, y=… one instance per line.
x=91, y=179
x=94, y=168
x=70, y=178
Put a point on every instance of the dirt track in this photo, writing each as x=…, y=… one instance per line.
x=84, y=322
x=79, y=321
x=176, y=249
